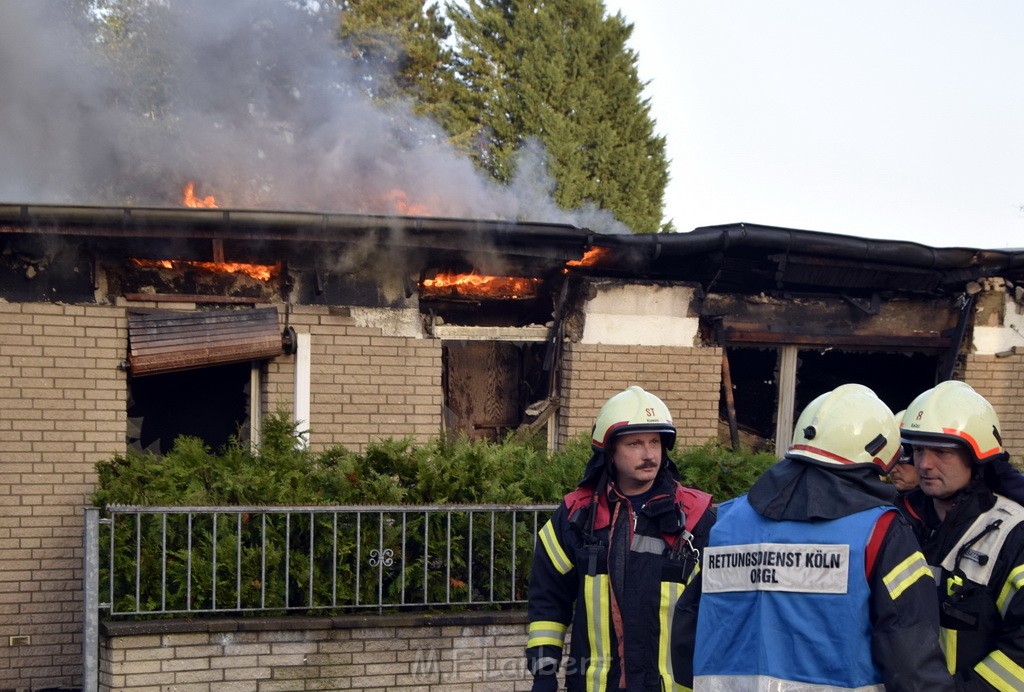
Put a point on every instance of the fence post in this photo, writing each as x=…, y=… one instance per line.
x=91, y=601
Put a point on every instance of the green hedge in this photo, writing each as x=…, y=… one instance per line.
x=391, y=471
x=515, y=471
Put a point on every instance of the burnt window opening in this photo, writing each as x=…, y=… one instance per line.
x=896, y=377
x=754, y=393
x=211, y=404
x=488, y=386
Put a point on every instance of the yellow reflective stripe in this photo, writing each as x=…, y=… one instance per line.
x=1013, y=583
x=546, y=633
x=553, y=548
x=947, y=639
x=670, y=593
x=905, y=574
x=693, y=573
x=595, y=595
x=1000, y=671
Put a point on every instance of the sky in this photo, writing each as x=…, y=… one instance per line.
x=880, y=119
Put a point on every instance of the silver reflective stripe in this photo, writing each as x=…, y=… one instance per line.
x=596, y=594
x=1000, y=671
x=648, y=544
x=543, y=664
x=670, y=592
x=765, y=683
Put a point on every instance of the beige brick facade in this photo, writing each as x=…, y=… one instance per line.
x=1000, y=379
x=63, y=393
x=62, y=397
x=688, y=380
x=468, y=653
x=365, y=386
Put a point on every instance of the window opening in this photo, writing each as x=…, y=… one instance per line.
x=489, y=384
x=209, y=403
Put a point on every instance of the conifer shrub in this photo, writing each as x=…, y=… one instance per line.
x=212, y=559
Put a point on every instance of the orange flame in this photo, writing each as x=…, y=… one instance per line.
x=399, y=201
x=190, y=199
x=262, y=272
x=590, y=257
x=481, y=285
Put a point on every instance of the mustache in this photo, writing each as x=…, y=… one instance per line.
x=649, y=465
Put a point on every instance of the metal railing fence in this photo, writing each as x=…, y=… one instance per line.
x=163, y=561
x=156, y=561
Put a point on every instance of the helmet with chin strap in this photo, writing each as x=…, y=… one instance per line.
x=848, y=427
x=952, y=414
x=633, y=410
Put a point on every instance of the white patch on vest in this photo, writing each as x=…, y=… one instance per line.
x=798, y=567
x=990, y=545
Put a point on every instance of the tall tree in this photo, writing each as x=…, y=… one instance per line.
x=560, y=71
x=401, y=45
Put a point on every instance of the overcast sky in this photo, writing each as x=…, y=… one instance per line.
x=898, y=120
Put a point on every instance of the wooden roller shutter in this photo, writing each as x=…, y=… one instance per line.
x=170, y=340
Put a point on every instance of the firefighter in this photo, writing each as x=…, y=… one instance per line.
x=903, y=473
x=970, y=527
x=813, y=580
x=614, y=556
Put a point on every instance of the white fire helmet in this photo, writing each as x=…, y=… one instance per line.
x=952, y=414
x=631, y=411
x=905, y=453
x=849, y=426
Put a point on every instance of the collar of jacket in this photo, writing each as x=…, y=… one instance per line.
x=693, y=503
x=795, y=490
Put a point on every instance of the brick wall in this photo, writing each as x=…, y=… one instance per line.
x=365, y=385
x=62, y=399
x=688, y=380
x=473, y=652
x=1001, y=381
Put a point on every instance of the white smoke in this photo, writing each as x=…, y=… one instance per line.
x=251, y=99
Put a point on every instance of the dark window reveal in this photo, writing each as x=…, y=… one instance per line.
x=209, y=403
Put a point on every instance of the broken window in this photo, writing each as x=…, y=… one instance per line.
x=758, y=388
x=211, y=404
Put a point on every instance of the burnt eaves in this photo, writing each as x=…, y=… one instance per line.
x=253, y=236
x=754, y=258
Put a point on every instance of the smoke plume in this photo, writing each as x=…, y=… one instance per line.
x=249, y=98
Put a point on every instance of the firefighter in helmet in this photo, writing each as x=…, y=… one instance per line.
x=967, y=514
x=903, y=473
x=614, y=556
x=813, y=580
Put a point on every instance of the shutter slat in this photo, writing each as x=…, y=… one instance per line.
x=168, y=341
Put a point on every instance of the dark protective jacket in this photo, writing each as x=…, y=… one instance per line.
x=977, y=553
x=902, y=615
x=614, y=577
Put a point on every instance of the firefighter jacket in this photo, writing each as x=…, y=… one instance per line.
x=614, y=576
x=812, y=581
x=977, y=556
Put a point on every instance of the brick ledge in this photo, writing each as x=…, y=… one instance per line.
x=304, y=622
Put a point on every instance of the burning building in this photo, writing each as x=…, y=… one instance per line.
x=130, y=326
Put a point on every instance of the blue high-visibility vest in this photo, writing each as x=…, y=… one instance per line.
x=785, y=602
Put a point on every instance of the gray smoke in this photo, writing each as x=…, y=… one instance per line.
x=249, y=98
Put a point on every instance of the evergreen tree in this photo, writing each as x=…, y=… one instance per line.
x=400, y=43
x=560, y=71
